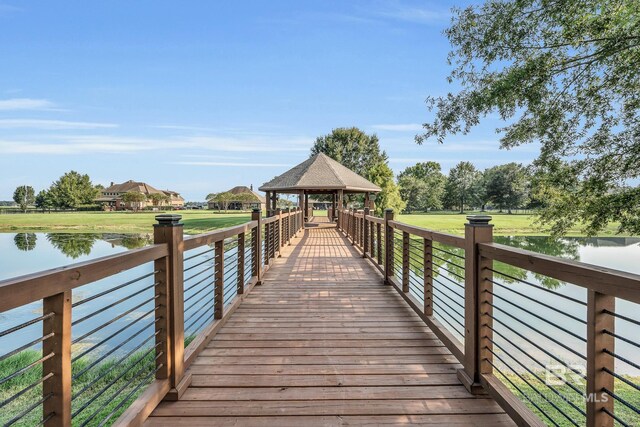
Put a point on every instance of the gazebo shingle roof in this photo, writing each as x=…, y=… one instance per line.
x=320, y=172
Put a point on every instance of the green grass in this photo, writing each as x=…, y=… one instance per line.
x=107, y=373
x=195, y=221
x=504, y=224
x=623, y=390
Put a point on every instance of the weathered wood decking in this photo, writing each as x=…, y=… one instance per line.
x=324, y=342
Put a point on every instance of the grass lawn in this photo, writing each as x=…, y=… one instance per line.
x=199, y=221
x=504, y=224
x=195, y=221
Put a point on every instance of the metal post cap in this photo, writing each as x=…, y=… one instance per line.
x=479, y=219
x=168, y=219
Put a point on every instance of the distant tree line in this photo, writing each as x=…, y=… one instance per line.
x=424, y=187
x=71, y=191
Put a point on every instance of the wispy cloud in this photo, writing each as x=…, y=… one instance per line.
x=401, y=127
x=231, y=164
x=402, y=11
x=25, y=103
x=7, y=8
x=22, y=147
x=51, y=124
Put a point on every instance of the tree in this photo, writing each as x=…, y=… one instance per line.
x=158, y=199
x=361, y=153
x=222, y=199
x=422, y=186
x=462, y=187
x=24, y=196
x=25, y=241
x=134, y=199
x=563, y=74
x=43, y=200
x=506, y=185
x=72, y=190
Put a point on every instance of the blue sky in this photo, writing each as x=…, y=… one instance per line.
x=200, y=96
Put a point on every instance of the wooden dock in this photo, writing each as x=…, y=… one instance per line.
x=324, y=342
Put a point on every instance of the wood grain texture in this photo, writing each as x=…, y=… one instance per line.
x=324, y=342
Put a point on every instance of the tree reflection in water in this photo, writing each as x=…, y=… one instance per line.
x=25, y=241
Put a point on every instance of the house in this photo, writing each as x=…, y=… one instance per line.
x=248, y=199
x=111, y=197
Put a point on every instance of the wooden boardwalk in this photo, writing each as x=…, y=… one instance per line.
x=324, y=342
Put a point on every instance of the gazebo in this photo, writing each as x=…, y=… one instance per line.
x=319, y=174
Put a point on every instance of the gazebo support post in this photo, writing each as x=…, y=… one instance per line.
x=306, y=207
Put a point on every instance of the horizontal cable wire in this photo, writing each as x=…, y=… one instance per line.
x=446, y=286
x=620, y=316
x=542, y=365
x=99, y=393
x=621, y=338
x=29, y=409
x=206, y=286
x=191, y=267
x=525, y=395
x=115, y=288
x=452, y=273
x=539, y=302
x=204, y=322
x=25, y=324
x=113, y=304
x=447, y=252
x=556, y=392
x=90, y=349
x=621, y=378
x=26, y=346
x=621, y=400
x=548, y=353
x=192, y=286
x=452, y=300
x=199, y=254
x=622, y=359
x=461, y=267
x=577, y=301
x=441, y=311
x=26, y=368
x=116, y=364
x=615, y=417
x=26, y=389
x=195, y=303
x=537, y=316
x=115, y=319
x=197, y=274
x=112, y=350
x=201, y=314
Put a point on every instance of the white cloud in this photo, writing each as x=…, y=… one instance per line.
x=401, y=127
x=25, y=104
x=51, y=124
x=417, y=14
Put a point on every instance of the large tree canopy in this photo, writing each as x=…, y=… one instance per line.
x=72, y=190
x=24, y=196
x=422, y=186
x=564, y=73
x=361, y=153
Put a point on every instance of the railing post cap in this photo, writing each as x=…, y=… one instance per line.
x=388, y=210
x=256, y=210
x=479, y=220
x=168, y=220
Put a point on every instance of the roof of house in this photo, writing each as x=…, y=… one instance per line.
x=320, y=172
x=141, y=187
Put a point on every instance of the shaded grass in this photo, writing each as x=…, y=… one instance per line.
x=195, y=221
x=120, y=378
x=623, y=390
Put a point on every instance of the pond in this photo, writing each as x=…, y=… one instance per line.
x=25, y=253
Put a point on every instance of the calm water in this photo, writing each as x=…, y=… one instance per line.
x=25, y=253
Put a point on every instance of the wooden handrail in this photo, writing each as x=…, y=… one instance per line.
x=26, y=289
x=435, y=236
x=620, y=284
x=193, y=242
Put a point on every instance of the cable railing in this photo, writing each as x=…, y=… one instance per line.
x=116, y=334
x=554, y=342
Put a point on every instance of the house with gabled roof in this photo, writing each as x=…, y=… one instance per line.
x=111, y=197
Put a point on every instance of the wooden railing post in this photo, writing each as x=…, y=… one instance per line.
x=365, y=233
x=388, y=246
x=597, y=360
x=405, y=261
x=256, y=246
x=279, y=231
x=170, y=278
x=428, y=277
x=380, y=243
x=240, y=269
x=267, y=243
x=218, y=287
x=477, y=230
x=59, y=385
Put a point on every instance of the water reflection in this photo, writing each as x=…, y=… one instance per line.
x=25, y=241
x=75, y=245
